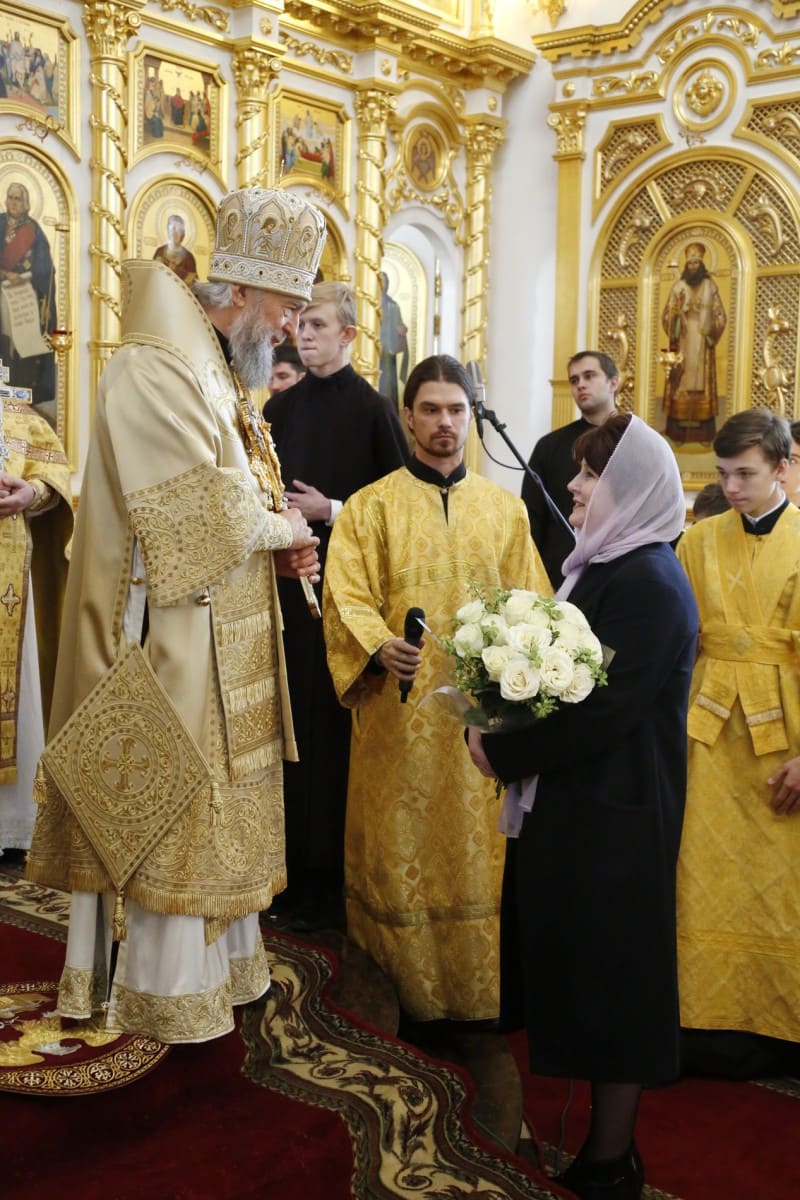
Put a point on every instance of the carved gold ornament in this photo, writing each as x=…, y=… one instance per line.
x=775, y=375
x=704, y=95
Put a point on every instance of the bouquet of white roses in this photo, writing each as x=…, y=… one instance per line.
x=520, y=655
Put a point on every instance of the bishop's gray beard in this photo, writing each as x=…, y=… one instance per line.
x=251, y=348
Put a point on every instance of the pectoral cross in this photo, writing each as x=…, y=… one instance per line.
x=9, y=393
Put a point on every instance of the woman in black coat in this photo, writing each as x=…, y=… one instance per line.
x=588, y=914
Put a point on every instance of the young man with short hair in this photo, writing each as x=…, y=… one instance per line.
x=739, y=870
x=594, y=380
x=287, y=368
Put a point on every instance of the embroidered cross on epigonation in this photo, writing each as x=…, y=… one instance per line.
x=8, y=699
x=125, y=763
x=10, y=600
x=736, y=580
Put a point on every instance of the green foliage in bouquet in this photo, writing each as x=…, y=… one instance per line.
x=521, y=655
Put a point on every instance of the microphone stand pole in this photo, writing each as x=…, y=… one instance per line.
x=489, y=415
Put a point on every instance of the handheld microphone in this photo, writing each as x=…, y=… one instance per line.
x=412, y=633
x=478, y=402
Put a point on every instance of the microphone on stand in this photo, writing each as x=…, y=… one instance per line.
x=479, y=400
x=412, y=633
x=482, y=412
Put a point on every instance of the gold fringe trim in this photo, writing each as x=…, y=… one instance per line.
x=251, y=695
x=201, y=904
x=255, y=760
x=214, y=929
x=243, y=629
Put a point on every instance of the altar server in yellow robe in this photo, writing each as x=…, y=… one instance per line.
x=739, y=868
x=423, y=858
x=35, y=528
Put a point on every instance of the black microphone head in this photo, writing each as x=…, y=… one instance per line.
x=412, y=630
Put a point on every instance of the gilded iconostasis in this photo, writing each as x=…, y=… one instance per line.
x=518, y=179
x=122, y=124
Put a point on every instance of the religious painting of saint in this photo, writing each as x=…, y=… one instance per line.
x=173, y=221
x=178, y=108
x=696, y=284
x=425, y=157
x=38, y=234
x=38, y=57
x=309, y=136
x=693, y=320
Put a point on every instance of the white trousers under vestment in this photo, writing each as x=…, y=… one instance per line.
x=168, y=983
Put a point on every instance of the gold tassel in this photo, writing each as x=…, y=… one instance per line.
x=39, y=785
x=119, y=930
x=216, y=804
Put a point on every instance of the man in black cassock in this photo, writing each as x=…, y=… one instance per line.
x=594, y=380
x=334, y=435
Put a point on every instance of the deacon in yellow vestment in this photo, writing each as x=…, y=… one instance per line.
x=739, y=867
x=33, y=565
x=423, y=858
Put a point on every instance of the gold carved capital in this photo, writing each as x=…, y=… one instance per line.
x=109, y=25
x=373, y=109
x=482, y=139
x=569, y=125
x=253, y=71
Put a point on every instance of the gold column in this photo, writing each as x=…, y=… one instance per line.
x=109, y=24
x=373, y=105
x=569, y=125
x=483, y=138
x=253, y=72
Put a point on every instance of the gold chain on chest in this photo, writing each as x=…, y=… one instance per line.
x=261, y=455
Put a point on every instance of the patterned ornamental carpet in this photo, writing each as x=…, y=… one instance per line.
x=42, y=1054
x=407, y=1115
x=311, y=1072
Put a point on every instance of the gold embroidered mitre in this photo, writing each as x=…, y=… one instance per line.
x=126, y=765
x=268, y=239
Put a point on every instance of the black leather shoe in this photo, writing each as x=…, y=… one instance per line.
x=613, y=1179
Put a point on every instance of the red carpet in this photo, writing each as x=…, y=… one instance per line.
x=700, y=1139
x=340, y=1111
x=194, y=1129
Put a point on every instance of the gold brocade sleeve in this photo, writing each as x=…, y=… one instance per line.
x=353, y=594
x=193, y=504
x=193, y=529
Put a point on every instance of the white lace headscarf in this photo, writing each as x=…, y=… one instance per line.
x=637, y=500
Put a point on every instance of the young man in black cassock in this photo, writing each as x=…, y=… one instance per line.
x=334, y=435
